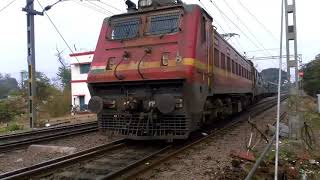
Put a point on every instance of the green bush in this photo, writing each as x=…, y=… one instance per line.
x=14, y=127
x=8, y=110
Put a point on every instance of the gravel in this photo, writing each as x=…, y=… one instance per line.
x=22, y=158
x=211, y=160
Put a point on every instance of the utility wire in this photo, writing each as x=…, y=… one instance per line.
x=6, y=6
x=57, y=30
x=258, y=21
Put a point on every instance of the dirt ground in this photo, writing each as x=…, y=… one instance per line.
x=212, y=160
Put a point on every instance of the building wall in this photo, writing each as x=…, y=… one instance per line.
x=79, y=86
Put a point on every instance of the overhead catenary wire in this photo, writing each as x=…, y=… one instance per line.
x=236, y=40
x=110, y=6
x=258, y=21
x=218, y=24
x=57, y=30
x=223, y=14
x=244, y=24
x=99, y=7
x=91, y=7
x=6, y=6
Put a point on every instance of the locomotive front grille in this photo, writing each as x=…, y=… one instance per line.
x=141, y=125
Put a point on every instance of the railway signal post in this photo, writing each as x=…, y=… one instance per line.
x=292, y=67
x=31, y=61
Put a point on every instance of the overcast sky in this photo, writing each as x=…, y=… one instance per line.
x=80, y=23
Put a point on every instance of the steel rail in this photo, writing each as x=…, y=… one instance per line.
x=48, y=166
x=9, y=146
x=45, y=130
x=153, y=161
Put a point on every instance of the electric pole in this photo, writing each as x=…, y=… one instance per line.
x=292, y=68
x=32, y=93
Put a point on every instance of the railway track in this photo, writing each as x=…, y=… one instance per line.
x=122, y=159
x=12, y=141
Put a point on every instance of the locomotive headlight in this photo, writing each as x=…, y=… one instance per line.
x=165, y=59
x=145, y=3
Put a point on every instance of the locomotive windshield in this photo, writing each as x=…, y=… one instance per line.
x=163, y=24
x=125, y=29
x=155, y=24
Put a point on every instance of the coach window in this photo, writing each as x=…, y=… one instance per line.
x=223, y=61
x=233, y=67
x=242, y=69
x=246, y=73
x=203, y=30
x=243, y=73
x=216, y=57
x=236, y=71
x=228, y=64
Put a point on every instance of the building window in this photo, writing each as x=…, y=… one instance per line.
x=216, y=57
x=84, y=68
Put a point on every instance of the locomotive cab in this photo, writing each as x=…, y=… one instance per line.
x=149, y=76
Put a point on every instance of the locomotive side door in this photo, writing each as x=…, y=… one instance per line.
x=209, y=48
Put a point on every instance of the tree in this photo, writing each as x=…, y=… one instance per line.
x=311, y=78
x=7, y=85
x=64, y=71
x=272, y=75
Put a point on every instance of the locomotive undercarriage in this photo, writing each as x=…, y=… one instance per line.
x=219, y=107
x=143, y=111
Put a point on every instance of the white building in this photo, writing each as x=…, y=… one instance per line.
x=80, y=66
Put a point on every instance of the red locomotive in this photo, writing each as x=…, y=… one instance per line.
x=161, y=71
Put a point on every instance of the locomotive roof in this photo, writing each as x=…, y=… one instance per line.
x=187, y=7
